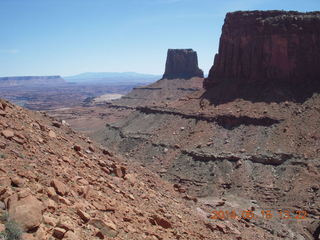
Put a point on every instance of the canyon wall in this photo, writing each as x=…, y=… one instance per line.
x=182, y=63
x=268, y=46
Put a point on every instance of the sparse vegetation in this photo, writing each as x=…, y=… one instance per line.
x=12, y=231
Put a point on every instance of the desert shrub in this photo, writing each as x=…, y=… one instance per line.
x=12, y=231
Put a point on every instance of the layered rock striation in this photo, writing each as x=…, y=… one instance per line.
x=268, y=46
x=182, y=63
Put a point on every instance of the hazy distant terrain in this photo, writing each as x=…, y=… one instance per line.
x=52, y=97
x=113, y=78
x=52, y=92
x=31, y=81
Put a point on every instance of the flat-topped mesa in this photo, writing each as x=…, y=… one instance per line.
x=182, y=63
x=268, y=46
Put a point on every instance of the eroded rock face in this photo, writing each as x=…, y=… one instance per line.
x=182, y=63
x=268, y=46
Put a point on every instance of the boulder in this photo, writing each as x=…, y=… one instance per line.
x=60, y=187
x=157, y=220
x=8, y=133
x=27, y=212
x=106, y=227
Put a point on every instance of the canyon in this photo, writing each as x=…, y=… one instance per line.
x=174, y=158
x=249, y=139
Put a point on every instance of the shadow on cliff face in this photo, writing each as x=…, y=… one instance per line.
x=266, y=56
x=268, y=92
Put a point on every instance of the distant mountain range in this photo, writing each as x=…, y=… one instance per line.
x=112, y=77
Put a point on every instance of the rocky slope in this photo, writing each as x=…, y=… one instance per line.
x=58, y=184
x=30, y=80
x=252, y=135
x=160, y=92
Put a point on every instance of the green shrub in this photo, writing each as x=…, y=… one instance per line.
x=13, y=231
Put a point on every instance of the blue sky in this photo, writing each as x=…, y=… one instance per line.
x=66, y=37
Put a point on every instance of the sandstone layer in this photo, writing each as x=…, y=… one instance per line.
x=182, y=63
x=268, y=48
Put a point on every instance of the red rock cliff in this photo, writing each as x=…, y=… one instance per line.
x=265, y=46
x=182, y=63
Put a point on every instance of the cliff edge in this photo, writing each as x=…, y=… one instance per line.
x=268, y=47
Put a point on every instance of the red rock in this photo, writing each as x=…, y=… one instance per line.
x=190, y=198
x=56, y=124
x=3, y=145
x=50, y=205
x=58, y=232
x=106, y=227
x=24, y=193
x=17, y=182
x=60, y=187
x=71, y=236
x=64, y=200
x=267, y=46
x=99, y=206
x=182, y=63
x=91, y=148
x=52, y=134
x=8, y=133
x=49, y=220
x=83, y=215
x=18, y=140
x=27, y=236
x=27, y=212
x=119, y=171
x=77, y=148
x=66, y=223
x=3, y=105
x=51, y=192
x=156, y=220
x=107, y=152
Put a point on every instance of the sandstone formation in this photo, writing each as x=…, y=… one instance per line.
x=182, y=63
x=182, y=76
x=268, y=47
x=258, y=148
x=30, y=80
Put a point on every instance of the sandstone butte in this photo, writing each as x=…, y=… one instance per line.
x=267, y=47
x=182, y=76
x=182, y=63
